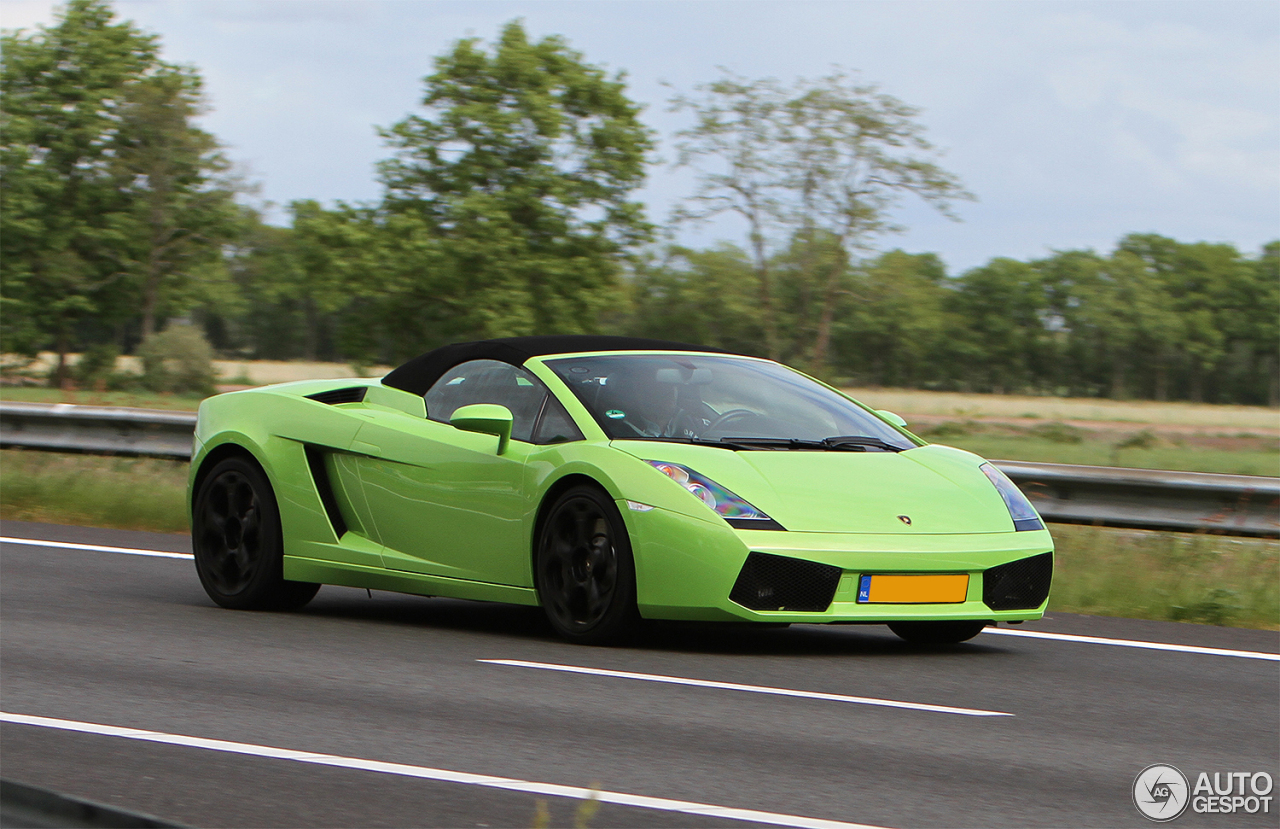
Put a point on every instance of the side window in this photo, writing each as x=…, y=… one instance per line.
x=489, y=381
x=556, y=426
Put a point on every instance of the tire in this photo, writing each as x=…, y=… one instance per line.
x=937, y=633
x=583, y=569
x=238, y=544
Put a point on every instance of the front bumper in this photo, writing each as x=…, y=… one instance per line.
x=686, y=568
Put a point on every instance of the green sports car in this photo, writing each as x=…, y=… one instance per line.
x=609, y=479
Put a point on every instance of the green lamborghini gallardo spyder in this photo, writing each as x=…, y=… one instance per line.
x=609, y=479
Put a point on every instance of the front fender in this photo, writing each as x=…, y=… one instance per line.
x=624, y=476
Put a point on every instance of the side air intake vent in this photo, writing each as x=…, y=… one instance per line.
x=1018, y=585
x=770, y=582
x=324, y=488
x=354, y=394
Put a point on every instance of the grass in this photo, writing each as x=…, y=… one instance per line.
x=95, y=491
x=1208, y=579
x=1153, y=447
x=1180, y=577
x=1259, y=460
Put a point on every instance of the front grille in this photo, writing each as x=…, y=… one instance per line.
x=333, y=397
x=1018, y=585
x=770, y=582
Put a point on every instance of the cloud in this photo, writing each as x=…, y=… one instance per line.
x=1074, y=122
x=25, y=14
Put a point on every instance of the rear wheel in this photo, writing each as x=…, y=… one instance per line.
x=937, y=633
x=583, y=568
x=238, y=545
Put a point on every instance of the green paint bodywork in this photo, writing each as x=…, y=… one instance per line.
x=434, y=509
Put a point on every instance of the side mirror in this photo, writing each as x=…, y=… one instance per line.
x=896, y=420
x=486, y=418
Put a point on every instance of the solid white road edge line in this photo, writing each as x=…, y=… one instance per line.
x=1130, y=643
x=755, y=689
x=94, y=548
x=441, y=775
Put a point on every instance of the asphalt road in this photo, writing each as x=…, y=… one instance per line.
x=1007, y=730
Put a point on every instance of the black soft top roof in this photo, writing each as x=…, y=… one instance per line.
x=420, y=373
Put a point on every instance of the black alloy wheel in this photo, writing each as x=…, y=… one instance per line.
x=937, y=633
x=235, y=533
x=583, y=568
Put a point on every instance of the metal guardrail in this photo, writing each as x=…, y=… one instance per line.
x=63, y=427
x=1107, y=496
x=1150, y=499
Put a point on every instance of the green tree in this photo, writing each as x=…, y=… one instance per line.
x=853, y=154
x=113, y=200
x=175, y=178
x=698, y=296
x=823, y=162
x=1259, y=325
x=64, y=215
x=1000, y=307
x=735, y=145
x=508, y=199
x=1077, y=339
x=892, y=332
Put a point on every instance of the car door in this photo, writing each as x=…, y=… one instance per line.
x=442, y=500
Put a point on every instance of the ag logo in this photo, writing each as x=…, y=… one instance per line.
x=1161, y=792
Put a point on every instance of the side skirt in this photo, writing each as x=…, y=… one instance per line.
x=376, y=578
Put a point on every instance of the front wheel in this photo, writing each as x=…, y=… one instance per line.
x=238, y=544
x=937, y=633
x=583, y=568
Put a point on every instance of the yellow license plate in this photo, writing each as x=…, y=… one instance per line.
x=913, y=589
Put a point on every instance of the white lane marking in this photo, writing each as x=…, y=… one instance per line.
x=1132, y=643
x=755, y=689
x=441, y=775
x=94, y=548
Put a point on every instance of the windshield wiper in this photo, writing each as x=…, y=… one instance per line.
x=846, y=443
x=776, y=443
x=719, y=444
x=852, y=441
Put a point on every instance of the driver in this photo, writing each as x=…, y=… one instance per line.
x=658, y=403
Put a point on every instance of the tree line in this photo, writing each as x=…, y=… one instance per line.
x=508, y=207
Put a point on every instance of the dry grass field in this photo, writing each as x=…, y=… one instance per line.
x=930, y=405
x=1193, y=437
x=934, y=405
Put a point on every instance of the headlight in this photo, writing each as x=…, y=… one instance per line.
x=728, y=506
x=1020, y=510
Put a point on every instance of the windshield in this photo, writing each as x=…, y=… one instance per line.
x=717, y=399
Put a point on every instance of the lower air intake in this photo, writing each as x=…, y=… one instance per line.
x=780, y=583
x=1018, y=585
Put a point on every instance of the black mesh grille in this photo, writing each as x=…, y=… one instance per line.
x=1018, y=585
x=354, y=394
x=779, y=583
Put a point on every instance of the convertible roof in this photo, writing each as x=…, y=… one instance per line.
x=420, y=373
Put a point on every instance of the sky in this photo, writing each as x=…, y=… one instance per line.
x=1074, y=123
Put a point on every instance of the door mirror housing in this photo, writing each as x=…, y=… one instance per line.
x=896, y=420
x=486, y=418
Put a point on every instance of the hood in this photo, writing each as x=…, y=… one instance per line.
x=939, y=488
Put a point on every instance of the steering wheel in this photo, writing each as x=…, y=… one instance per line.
x=726, y=417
